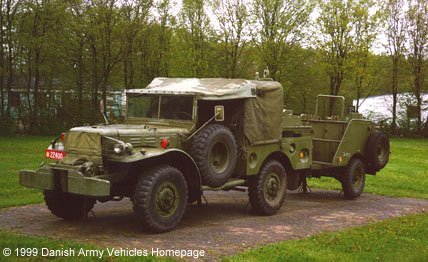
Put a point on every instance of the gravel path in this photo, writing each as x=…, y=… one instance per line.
x=223, y=227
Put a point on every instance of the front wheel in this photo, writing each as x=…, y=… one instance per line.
x=160, y=198
x=266, y=191
x=354, y=179
x=68, y=206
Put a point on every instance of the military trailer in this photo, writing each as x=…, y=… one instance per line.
x=182, y=137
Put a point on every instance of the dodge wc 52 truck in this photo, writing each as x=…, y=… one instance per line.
x=184, y=136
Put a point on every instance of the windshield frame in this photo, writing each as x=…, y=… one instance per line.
x=158, y=119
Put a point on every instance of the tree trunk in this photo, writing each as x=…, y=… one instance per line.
x=37, y=106
x=94, y=81
x=394, y=90
x=79, y=81
x=29, y=80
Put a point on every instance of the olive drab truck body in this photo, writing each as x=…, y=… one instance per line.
x=184, y=136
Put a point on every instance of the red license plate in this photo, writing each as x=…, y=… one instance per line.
x=54, y=154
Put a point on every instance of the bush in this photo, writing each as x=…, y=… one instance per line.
x=7, y=126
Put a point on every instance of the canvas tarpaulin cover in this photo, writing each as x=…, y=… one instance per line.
x=83, y=145
x=263, y=114
x=204, y=88
x=263, y=100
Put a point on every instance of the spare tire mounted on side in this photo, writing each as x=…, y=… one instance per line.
x=377, y=151
x=214, y=150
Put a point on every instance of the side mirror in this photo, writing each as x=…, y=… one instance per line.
x=219, y=113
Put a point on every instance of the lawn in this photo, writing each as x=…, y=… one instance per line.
x=18, y=153
x=396, y=239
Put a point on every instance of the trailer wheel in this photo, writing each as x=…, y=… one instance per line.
x=266, y=191
x=68, y=206
x=354, y=179
x=377, y=151
x=160, y=198
x=214, y=151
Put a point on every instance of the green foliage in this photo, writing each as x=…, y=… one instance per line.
x=7, y=126
x=81, y=51
x=280, y=26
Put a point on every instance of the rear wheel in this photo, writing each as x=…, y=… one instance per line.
x=68, y=206
x=160, y=198
x=266, y=191
x=354, y=179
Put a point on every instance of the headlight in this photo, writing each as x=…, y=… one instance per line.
x=118, y=148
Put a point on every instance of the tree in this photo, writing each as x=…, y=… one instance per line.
x=335, y=39
x=280, y=25
x=135, y=14
x=164, y=34
x=365, y=34
x=8, y=11
x=196, y=30
x=104, y=35
x=395, y=31
x=304, y=80
x=417, y=31
x=234, y=32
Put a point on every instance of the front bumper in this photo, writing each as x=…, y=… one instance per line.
x=64, y=180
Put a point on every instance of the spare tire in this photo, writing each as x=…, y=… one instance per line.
x=214, y=150
x=377, y=151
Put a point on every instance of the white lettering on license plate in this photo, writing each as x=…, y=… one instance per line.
x=54, y=154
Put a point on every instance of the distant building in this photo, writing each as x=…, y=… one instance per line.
x=53, y=101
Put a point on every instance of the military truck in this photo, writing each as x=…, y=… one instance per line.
x=182, y=137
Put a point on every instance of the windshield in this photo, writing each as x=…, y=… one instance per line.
x=171, y=107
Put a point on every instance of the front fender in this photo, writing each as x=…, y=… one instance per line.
x=139, y=154
x=151, y=157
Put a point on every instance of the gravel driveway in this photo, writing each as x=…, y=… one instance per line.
x=223, y=227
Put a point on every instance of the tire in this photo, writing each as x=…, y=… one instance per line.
x=267, y=190
x=160, y=198
x=354, y=179
x=214, y=151
x=68, y=206
x=377, y=151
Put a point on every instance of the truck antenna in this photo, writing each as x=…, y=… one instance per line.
x=102, y=111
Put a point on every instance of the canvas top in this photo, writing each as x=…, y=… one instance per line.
x=208, y=88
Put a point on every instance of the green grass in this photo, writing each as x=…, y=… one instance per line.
x=406, y=174
x=399, y=239
x=18, y=153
